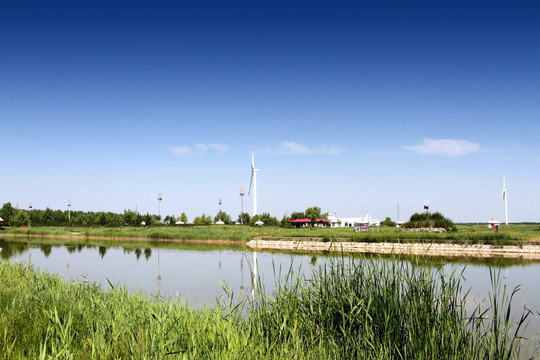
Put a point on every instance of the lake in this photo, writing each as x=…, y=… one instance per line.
x=198, y=273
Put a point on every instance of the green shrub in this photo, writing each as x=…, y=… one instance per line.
x=429, y=220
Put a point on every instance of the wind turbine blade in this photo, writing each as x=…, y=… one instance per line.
x=250, y=182
x=252, y=162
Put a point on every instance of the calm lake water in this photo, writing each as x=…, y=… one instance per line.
x=197, y=273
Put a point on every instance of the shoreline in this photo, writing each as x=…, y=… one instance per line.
x=135, y=239
x=530, y=252
x=305, y=244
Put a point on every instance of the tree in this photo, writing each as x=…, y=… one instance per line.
x=313, y=213
x=184, y=218
x=102, y=219
x=7, y=212
x=169, y=219
x=388, y=222
x=223, y=216
x=202, y=220
x=47, y=217
x=21, y=218
x=285, y=221
x=244, y=218
x=297, y=215
x=149, y=219
x=266, y=218
x=130, y=218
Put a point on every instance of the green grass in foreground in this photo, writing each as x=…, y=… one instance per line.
x=361, y=309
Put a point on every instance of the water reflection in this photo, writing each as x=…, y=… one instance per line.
x=190, y=270
x=254, y=274
x=10, y=249
x=242, y=291
x=102, y=251
x=158, y=269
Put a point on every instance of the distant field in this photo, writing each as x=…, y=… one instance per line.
x=510, y=234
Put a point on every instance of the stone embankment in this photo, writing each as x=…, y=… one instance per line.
x=526, y=251
x=430, y=229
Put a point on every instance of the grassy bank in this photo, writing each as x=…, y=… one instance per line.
x=466, y=234
x=364, y=309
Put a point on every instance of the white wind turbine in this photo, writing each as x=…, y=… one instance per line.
x=505, y=199
x=253, y=182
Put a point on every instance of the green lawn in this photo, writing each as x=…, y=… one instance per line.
x=512, y=234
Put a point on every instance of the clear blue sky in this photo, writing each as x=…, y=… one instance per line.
x=352, y=107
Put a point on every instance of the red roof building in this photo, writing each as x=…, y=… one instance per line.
x=307, y=222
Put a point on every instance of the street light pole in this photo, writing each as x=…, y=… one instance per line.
x=29, y=216
x=242, y=202
x=160, y=197
x=69, y=211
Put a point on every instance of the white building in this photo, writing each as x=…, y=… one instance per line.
x=350, y=221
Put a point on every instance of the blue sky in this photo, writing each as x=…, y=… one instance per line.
x=352, y=107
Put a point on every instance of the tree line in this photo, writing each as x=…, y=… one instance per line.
x=34, y=217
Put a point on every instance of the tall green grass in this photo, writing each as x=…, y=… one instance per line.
x=367, y=309
x=387, y=310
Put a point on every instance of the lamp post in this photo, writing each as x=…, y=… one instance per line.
x=219, y=219
x=242, y=204
x=159, y=197
x=29, y=207
x=69, y=211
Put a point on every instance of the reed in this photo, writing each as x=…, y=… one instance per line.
x=370, y=309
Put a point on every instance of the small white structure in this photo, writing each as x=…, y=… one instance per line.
x=492, y=224
x=351, y=221
x=259, y=223
x=219, y=222
x=400, y=223
x=342, y=222
x=179, y=222
x=366, y=222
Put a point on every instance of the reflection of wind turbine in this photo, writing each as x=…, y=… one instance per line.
x=254, y=274
x=158, y=270
x=253, y=182
x=505, y=199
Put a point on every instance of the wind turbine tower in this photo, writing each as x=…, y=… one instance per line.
x=253, y=182
x=505, y=199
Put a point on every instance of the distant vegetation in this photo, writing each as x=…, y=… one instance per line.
x=388, y=222
x=365, y=309
x=430, y=220
x=128, y=225
x=33, y=217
